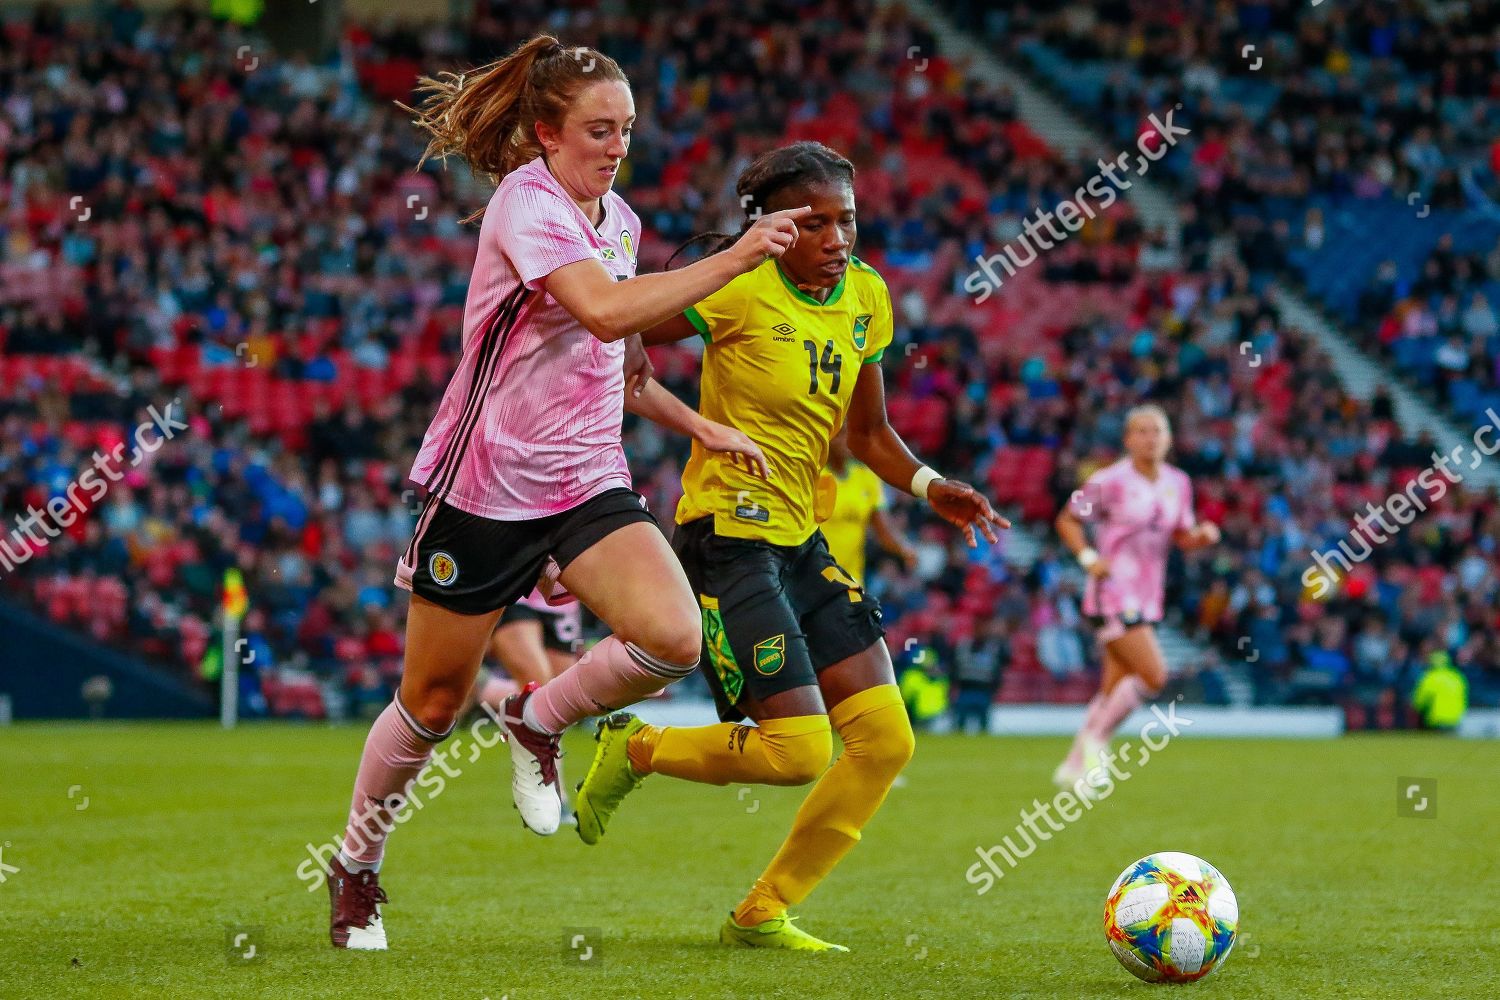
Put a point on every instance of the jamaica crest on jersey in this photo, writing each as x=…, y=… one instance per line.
x=861, y=329
x=627, y=252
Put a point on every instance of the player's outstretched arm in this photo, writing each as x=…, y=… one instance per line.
x=889, y=538
x=1200, y=535
x=670, y=332
x=662, y=408
x=613, y=310
x=875, y=442
x=1070, y=529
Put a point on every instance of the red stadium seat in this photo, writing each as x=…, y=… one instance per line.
x=369, y=386
x=1077, y=690
x=402, y=371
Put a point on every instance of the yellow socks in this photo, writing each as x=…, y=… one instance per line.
x=777, y=752
x=877, y=744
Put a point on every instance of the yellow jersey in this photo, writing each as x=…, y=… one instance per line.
x=860, y=495
x=780, y=366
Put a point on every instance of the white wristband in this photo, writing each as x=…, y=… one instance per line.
x=924, y=478
x=1088, y=557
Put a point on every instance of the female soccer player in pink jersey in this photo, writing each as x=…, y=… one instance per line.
x=533, y=643
x=524, y=462
x=1139, y=507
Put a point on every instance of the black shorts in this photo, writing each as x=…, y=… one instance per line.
x=474, y=565
x=560, y=630
x=1108, y=628
x=774, y=616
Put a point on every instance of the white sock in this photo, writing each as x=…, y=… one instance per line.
x=355, y=867
x=528, y=717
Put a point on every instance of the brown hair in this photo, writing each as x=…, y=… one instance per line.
x=488, y=115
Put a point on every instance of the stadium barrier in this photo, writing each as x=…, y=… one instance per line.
x=44, y=670
x=1064, y=720
x=1481, y=725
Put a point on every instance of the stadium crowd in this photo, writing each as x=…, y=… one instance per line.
x=1441, y=327
x=255, y=243
x=1360, y=101
x=1317, y=139
x=1360, y=106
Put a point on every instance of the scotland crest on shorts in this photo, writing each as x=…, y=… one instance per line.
x=443, y=569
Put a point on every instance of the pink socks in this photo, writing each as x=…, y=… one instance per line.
x=611, y=675
x=1127, y=696
x=494, y=690
x=1090, y=724
x=396, y=750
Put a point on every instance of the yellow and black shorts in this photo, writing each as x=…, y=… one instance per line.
x=774, y=616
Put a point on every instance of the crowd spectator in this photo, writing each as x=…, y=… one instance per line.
x=252, y=250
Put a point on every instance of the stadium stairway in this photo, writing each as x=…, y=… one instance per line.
x=1063, y=131
x=1360, y=374
x=1157, y=206
x=1044, y=114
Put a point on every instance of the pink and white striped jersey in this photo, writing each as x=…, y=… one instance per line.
x=530, y=423
x=1134, y=519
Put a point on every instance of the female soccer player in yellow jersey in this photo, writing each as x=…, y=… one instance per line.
x=859, y=508
x=790, y=641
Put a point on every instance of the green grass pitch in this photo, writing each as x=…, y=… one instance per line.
x=187, y=835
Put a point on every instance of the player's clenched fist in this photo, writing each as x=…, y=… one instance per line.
x=771, y=236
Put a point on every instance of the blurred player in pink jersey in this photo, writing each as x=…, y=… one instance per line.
x=1139, y=507
x=533, y=643
x=523, y=462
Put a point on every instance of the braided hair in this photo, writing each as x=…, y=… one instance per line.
x=767, y=175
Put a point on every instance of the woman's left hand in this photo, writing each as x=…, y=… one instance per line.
x=965, y=507
x=737, y=445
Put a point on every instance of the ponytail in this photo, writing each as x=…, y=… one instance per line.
x=487, y=117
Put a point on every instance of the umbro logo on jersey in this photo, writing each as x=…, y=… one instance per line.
x=784, y=332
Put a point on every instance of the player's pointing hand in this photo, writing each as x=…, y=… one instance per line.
x=771, y=236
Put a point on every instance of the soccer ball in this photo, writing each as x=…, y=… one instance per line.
x=1171, y=918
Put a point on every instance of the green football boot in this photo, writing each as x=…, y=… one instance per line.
x=610, y=777
x=778, y=932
